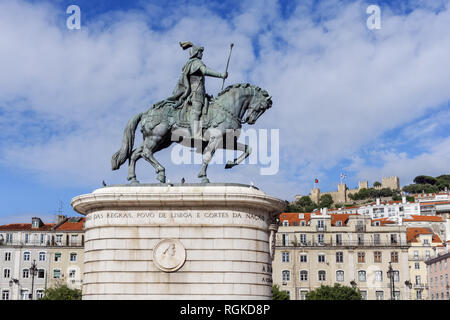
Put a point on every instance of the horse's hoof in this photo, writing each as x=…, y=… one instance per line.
x=205, y=180
x=161, y=178
x=229, y=165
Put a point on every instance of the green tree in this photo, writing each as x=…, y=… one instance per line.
x=337, y=292
x=425, y=180
x=377, y=184
x=278, y=294
x=61, y=292
x=325, y=201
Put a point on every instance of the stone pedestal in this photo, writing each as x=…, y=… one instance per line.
x=189, y=241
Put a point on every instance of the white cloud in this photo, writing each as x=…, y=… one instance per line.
x=336, y=86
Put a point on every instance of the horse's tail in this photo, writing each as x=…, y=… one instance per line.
x=127, y=142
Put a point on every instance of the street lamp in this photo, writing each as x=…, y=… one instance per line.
x=390, y=274
x=33, y=271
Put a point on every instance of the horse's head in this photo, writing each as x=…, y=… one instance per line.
x=259, y=103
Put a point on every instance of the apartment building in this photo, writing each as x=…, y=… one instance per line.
x=438, y=272
x=423, y=243
x=28, y=252
x=351, y=249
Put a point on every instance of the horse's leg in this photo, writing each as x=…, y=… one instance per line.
x=135, y=156
x=151, y=143
x=208, y=153
x=246, y=150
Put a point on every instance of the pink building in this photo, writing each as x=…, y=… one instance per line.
x=438, y=271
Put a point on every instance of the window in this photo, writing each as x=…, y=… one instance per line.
x=24, y=295
x=26, y=256
x=376, y=238
x=339, y=257
x=321, y=258
x=426, y=242
x=363, y=295
x=25, y=273
x=339, y=224
x=284, y=256
x=5, y=294
x=416, y=254
x=286, y=275
x=360, y=239
x=361, y=257
x=377, y=256
x=41, y=256
x=340, y=275
x=320, y=224
x=417, y=265
x=39, y=293
x=27, y=238
x=396, y=275
x=362, y=276
x=41, y=273
x=322, y=275
x=302, y=238
x=396, y=295
x=57, y=256
x=418, y=280
x=320, y=238
x=302, y=223
x=339, y=239
x=379, y=295
x=285, y=223
x=59, y=239
x=303, y=275
x=427, y=254
x=303, y=258
x=394, y=256
x=393, y=238
x=379, y=276
x=42, y=238
x=285, y=239
x=6, y=273
x=7, y=256
x=56, y=273
x=419, y=294
x=303, y=294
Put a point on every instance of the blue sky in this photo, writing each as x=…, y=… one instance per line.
x=370, y=103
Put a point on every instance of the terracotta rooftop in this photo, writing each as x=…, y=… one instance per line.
x=412, y=233
x=383, y=221
x=424, y=218
x=72, y=224
x=26, y=227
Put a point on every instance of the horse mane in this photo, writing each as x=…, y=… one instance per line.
x=243, y=85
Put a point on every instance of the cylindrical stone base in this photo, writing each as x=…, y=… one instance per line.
x=178, y=242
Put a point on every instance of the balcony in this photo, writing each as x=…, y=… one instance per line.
x=41, y=244
x=321, y=228
x=342, y=243
x=419, y=286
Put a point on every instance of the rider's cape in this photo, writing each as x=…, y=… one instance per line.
x=183, y=87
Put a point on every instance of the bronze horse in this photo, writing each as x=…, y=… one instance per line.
x=163, y=125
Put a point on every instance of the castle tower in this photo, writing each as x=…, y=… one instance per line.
x=315, y=195
x=390, y=182
x=341, y=195
x=363, y=185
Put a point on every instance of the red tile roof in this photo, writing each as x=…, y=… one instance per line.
x=72, y=224
x=412, y=233
x=383, y=221
x=26, y=227
x=424, y=218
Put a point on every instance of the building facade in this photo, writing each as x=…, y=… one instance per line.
x=438, y=271
x=315, y=249
x=23, y=246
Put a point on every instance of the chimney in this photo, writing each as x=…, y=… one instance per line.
x=325, y=211
x=61, y=218
x=378, y=201
x=403, y=199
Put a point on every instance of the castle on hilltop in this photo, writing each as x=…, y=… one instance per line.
x=342, y=193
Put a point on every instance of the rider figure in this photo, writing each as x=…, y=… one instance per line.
x=191, y=86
